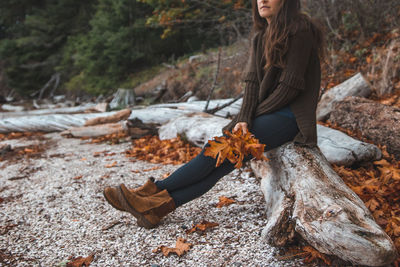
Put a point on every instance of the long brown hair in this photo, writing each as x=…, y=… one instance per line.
x=288, y=20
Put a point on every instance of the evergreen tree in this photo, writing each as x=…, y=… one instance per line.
x=33, y=37
x=117, y=44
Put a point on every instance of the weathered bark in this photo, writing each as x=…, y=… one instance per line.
x=338, y=147
x=355, y=86
x=122, y=99
x=96, y=130
x=305, y=198
x=377, y=122
x=116, y=117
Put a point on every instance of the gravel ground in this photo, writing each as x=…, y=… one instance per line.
x=49, y=213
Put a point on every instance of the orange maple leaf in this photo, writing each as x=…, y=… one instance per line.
x=224, y=201
x=204, y=225
x=372, y=204
x=111, y=165
x=181, y=247
x=234, y=147
x=80, y=261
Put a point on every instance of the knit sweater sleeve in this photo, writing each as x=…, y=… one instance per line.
x=291, y=81
x=250, y=97
x=297, y=58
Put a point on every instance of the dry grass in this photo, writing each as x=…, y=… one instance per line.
x=197, y=76
x=385, y=68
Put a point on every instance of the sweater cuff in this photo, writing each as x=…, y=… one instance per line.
x=290, y=78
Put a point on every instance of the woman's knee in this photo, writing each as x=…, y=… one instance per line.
x=274, y=130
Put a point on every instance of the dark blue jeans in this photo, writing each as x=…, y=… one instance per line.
x=199, y=175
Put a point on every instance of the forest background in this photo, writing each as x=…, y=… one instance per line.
x=94, y=47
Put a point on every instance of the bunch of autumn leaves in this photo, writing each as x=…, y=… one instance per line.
x=234, y=147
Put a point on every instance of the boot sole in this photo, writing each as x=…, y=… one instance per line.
x=141, y=220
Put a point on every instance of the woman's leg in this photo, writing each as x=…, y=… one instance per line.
x=272, y=130
x=190, y=173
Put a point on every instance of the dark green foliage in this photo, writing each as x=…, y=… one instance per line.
x=34, y=32
x=114, y=46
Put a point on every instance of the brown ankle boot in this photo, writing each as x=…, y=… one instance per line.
x=112, y=195
x=148, y=210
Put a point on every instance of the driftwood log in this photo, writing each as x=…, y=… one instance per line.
x=96, y=130
x=66, y=110
x=306, y=199
x=198, y=106
x=116, y=117
x=197, y=128
x=337, y=147
x=355, y=86
x=377, y=122
x=47, y=123
x=12, y=108
x=134, y=128
x=341, y=149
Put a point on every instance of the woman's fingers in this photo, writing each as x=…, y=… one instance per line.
x=242, y=126
x=244, y=129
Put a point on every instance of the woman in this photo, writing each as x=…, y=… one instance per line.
x=282, y=79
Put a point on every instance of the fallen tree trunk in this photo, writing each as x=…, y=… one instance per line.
x=116, y=117
x=46, y=123
x=196, y=127
x=341, y=149
x=159, y=115
x=355, y=86
x=376, y=122
x=68, y=110
x=198, y=106
x=337, y=147
x=134, y=128
x=306, y=199
x=96, y=130
x=61, y=122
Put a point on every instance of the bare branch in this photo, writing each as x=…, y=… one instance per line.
x=215, y=80
x=218, y=108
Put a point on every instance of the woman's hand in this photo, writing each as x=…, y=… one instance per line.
x=240, y=125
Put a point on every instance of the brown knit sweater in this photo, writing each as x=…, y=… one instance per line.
x=296, y=85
